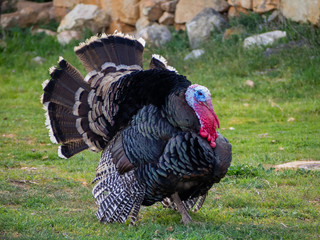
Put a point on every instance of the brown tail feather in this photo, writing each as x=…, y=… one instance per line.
x=69, y=149
x=117, y=49
x=65, y=99
x=78, y=115
x=62, y=122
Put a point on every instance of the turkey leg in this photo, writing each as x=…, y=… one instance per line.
x=181, y=208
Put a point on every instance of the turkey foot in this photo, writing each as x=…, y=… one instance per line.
x=181, y=208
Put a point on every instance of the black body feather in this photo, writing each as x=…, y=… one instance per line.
x=140, y=119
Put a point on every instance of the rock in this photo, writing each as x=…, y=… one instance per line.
x=170, y=6
x=241, y=3
x=22, y=4
x=235, y=11
x=166, y=18
x=59, y=13
x=151, y=9
x=291, y=119
x=67, y=36
x=142, y=22
x=8, y=6
x=129, y=13
x=263, y=39
x=28, y=14
x=156, y=34
x=65, y=4
x=186, y=10
x=308, y=165
x=273, y=16
x=38, y=60
x=179, y=26
x=301, y=10
x=123, y=14
x=232, y=31
x=262, y=6
x=285, y=46
x=45, y=31
x=249, y=83
x=120, y=26
x=85, y=16
x=200, y=27
x=9, y=20
x=194, y=54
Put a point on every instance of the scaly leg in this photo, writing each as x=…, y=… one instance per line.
x=181, y=208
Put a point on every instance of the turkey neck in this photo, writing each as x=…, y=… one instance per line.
x=179, y=113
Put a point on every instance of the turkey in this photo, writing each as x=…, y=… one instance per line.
x=157, y=132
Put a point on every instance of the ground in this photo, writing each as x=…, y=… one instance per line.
x=272, y=121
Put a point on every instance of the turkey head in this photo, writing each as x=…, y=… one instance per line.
x=199, y=99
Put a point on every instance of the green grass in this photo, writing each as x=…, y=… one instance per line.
x=44, y=197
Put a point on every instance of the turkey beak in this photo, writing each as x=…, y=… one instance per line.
x=208, y=104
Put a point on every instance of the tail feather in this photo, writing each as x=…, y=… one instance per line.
x=116, y=194
x=81, y=111
x=117, y=49
x=113, y=202
x=69, y=149
x=65, y=100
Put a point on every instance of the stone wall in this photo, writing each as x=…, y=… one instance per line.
x=127, y=15
x=131, y=15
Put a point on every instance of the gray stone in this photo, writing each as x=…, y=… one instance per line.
x=201, y=26
x=85, y=16
x=156, y=34
x=285, y=46
x=249, y=83
x=273, y=16
x=194, y=54
x=263, y=39
x=67, y=36
x=306, y=164
x=188, y=9
x=38, y=60
x=142, y=23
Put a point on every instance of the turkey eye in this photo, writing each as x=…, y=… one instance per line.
x=200, y=93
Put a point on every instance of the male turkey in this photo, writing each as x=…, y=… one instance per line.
x=157, y=131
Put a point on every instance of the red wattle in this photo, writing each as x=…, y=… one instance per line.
x=203, y=133
x=209, y=122
x=213, y=144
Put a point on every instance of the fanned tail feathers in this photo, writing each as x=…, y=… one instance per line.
x=116, y=195
x=59, y=99
x=117, y=48
x=80, y=110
